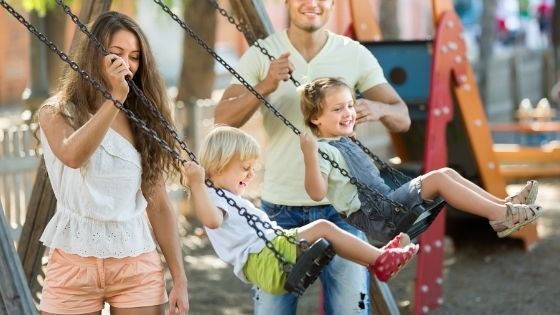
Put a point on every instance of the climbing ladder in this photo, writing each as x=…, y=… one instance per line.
x=431, y=76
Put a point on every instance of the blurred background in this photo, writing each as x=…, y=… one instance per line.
x=513, y=47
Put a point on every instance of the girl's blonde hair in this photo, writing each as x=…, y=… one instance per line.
x=225, y=144
x=313, y=97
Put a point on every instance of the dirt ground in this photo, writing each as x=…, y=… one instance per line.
x=482, y=274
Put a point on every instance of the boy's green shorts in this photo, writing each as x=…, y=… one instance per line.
x=265, y=271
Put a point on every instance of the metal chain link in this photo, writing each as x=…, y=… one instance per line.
x=96, y=84
x=397, y=176
x=251, y=219
x=143, y=99
x=202, y=43
x=219, y=59
x=242, y=27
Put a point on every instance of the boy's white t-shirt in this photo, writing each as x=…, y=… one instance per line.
x=234, y=240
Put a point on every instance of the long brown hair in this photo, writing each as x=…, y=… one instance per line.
x=79, y=99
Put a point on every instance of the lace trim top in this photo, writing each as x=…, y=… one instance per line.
x=100, y=207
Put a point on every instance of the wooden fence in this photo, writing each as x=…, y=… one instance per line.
x=18, y=164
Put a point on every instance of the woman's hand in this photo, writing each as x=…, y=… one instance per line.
x=116, y=69
x=179, y=299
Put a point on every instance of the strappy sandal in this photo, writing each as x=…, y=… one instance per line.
x=525, y=214
x=527, y=195
x=399, y=241
x=391, y=261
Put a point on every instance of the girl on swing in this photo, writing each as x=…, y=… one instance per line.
x=328, y=109
x=228, y=157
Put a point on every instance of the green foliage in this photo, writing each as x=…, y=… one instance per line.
x=41, y=6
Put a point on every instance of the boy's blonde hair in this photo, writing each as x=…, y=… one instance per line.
x=225, y=144
x=313, y=97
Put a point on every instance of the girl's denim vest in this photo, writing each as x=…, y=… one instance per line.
x=384, y=221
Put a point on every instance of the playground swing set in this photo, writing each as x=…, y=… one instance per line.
x=431, y=76
x=448, y=58
x=303, y=272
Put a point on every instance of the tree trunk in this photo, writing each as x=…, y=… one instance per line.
x=388, y=19
x=197, y=73
x=55, y=28
x=487, y=39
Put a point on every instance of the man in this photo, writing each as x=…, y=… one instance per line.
x=307, y=50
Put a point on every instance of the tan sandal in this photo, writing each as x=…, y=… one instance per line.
x=525, y=214
x=527, y=195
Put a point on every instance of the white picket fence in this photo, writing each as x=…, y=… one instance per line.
x=18, y=164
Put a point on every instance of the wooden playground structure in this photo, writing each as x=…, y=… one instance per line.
x=434, y=78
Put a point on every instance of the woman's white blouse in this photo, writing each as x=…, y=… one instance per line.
x=100, y=207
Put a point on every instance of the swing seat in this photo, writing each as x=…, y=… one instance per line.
x=424, y=214
x=428, y=213
x=309, y=266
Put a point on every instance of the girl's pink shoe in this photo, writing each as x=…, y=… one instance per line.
x=391, y=261
x=400, y=240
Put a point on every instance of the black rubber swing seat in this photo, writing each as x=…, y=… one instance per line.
x=422, y=215
x=309, y=266
x=428, y=212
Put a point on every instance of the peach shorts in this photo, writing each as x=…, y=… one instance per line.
x=76, y=284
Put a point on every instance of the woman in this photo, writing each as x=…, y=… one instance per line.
x=107, y=175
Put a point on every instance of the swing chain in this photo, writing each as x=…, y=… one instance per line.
x=144, y=100
x=397, y=176
x=361, y=187
x=265, y=102
x=242, y=27
x=220, y=60
x=96, y=84
x=81, y=26
x=74, y=66
x=251, y=219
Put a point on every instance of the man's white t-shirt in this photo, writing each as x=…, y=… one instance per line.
x=340, y=57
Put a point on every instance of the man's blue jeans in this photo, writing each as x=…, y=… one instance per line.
x=345, y=284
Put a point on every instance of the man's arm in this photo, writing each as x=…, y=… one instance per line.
x=238, y=104
x=382, y=103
